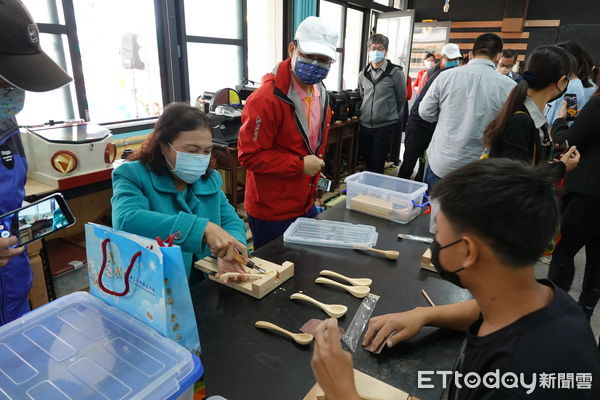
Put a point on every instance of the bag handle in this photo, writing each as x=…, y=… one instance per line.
x=127, y=273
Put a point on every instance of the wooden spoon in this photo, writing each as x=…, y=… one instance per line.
x=300, y=338
x=356, y=291
x=333, y=310
x=390, y=254
x=352, y=281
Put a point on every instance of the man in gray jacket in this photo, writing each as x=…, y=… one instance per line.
x=383, y=90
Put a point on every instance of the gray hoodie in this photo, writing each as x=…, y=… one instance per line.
x=383, y=97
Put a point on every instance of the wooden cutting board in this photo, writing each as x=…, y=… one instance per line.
x=368, y=388
x=258, y=288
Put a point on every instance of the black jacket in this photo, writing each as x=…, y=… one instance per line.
x=585, y=134
x=521, y=141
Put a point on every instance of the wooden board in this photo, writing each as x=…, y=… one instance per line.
x=512, y=46
x=426, y=261
x=258, y=288
x=368, y=388
x=503, y=35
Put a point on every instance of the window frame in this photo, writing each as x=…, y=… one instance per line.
x=366, y=29
x=172, y=41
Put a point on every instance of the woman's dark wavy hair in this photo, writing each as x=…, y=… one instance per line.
x=176, y=117
x=546, y=65
x=583, y=59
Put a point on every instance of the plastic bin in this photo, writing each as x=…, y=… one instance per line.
x=79, y=348
x=396, y=199
x=330, y=233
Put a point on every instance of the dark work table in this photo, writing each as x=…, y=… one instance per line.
x=243, y=362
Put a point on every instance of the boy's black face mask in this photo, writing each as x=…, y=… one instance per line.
x=450, y=276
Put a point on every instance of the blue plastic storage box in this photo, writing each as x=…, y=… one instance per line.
x=79, y=348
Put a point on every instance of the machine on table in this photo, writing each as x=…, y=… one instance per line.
x=68, y=156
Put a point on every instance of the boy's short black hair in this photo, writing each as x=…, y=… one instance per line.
x=488, y=44
x=509, y=53
x=509, y=205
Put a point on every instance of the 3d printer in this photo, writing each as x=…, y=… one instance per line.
x=68, y=156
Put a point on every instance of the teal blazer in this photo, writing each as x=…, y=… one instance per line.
x=149, y=205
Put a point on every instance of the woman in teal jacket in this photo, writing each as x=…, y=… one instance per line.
x=169, y=188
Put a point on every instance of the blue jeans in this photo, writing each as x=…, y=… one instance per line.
x=430, y=179
x=265, y=231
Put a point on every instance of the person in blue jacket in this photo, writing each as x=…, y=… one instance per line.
x=23, y=67
x=169, y=188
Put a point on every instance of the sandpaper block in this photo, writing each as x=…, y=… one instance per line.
x=381, y=346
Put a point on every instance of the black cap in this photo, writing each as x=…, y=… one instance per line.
x=22, y=62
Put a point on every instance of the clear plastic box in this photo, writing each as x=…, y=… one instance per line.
x=330, y=233
x=79, y=348
x=399, y=200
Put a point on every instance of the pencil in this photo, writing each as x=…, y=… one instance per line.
x=424, y=293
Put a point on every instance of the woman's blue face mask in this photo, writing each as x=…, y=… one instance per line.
x=189, y=167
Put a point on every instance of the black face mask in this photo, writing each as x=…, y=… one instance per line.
x=562, y=93
x=450, y=276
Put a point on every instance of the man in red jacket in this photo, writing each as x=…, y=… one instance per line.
x=284, y=132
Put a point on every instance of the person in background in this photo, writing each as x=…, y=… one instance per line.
x=168, y=189
x=496, y=217
x=449, y=51
x=429, y=62
x=507, y=63
x=463, y=101
x=284, y=133
x=382, y=87
x=580, y=216
x=418, y=131
x=23, y=67
x=520, y=130
x=579, y=85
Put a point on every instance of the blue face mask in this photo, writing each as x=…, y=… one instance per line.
x=12, y=100
x=189, y=167
x=451, y=64
x=310, y=71
x=376, y=55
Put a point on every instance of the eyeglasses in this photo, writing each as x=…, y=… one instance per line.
x=376, y=48
x=6, y=87
x=321, y=62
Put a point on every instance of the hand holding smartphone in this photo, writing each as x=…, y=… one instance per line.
x=36, y=220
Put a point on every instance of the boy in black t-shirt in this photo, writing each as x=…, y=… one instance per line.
x=526, y=339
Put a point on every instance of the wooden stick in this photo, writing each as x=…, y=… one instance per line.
x=424, y=293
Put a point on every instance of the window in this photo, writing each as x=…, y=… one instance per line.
x=383, y=2
x=349, y=24
x=333, y=14
x=265, y=41
x=128, y=58
x=56, y=104
x=46, y=11
x=215, y=48
x=119, y=55
x=353, y=45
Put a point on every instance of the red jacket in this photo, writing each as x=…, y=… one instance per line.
x=271, y=145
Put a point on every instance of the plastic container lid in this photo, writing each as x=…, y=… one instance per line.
x=77, y=347
x=330, y=233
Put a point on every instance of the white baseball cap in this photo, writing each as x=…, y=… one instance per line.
x=451, y=51
x=315, y=36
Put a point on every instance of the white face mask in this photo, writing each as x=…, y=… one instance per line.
x=428, y=64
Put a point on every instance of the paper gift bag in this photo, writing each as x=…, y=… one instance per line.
x=143, y=279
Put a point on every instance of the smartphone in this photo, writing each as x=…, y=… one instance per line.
x=324, y=184
x=36, y=220
x=571, y=100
